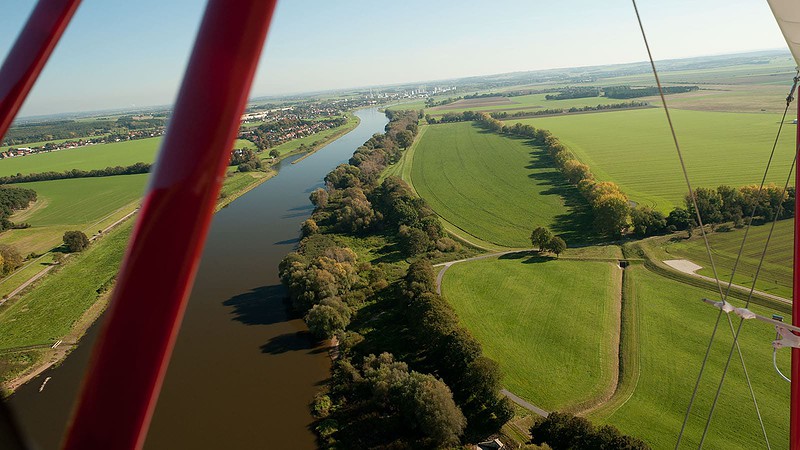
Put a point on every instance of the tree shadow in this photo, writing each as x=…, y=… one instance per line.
x=574, y=226
x=261, y=306
x=389, y=254
x=291, y=342
x=287, y=241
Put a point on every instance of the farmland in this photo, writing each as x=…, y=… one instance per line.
x=494, y=188
x=635, y=150
x=674, y=328
x=520, y=310
x=90, y=157
x=776, y=273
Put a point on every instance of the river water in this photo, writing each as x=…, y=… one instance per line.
x=242, y=373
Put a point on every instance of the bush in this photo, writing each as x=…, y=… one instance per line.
x=75, y=241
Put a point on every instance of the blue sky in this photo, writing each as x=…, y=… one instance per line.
x=119, y=53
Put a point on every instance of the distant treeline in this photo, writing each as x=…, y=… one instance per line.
x=631, y=92
x=13, y=199
x=71, y=129
x=139, y=167
x=468, y=116
x=437, y=387
x=574, y=92
x=619, y=92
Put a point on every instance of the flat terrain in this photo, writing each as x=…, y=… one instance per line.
x=548, y=323
x=91, y=157
x=635, y=150
x=493, y=187
x=674, y=329
x=530, y=102
x=86, y=204
x=776, y=273
x=49, y=311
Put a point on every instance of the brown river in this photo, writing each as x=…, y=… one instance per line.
x=242, y=373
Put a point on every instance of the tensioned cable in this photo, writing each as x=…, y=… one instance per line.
x=735, y=344
x=741, y=320
x=699, y=221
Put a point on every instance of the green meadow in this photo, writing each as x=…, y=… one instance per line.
x=91, y=157
x=493, y=187
x=543, y=331
x=775, y=276
x=674, y=330
x=635, y=149
x=548, y=323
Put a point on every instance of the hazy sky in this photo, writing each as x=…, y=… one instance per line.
x=119, y=53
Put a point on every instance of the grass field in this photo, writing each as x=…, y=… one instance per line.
x=521, y=310
x=86, y=204
x=91, y=157
x=528, y=103
x=635, y=149
x=673, y=334
x=495, y=188
x=48, y=312
x=776, y=273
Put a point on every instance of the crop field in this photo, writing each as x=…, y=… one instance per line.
x=91, y=157
x=86, y=204
x=635, y=150
x=523, y=102
x=495, y=188
x=775, y=276
x=674, y=329
x=552, y=337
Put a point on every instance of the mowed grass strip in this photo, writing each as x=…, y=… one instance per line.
x=775, y=276
x=495, y=188
x=635, y=149
x=48, y=312
x=675, y=327
x=91, y=157
x=549, y=323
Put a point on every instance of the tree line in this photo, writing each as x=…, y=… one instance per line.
x=574, y=92
x=135, y=168
x=14, y=199
x=632, y=92
x=437, y=389
x=574, y=109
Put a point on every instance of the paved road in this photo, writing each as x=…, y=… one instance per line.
x=514, y=398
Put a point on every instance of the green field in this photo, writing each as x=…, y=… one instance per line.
x=776, y=273
x=553, y=339
x=517, y=310
x=674, y=328
x=493, y=187
x=91, y=157
x=531, y=102
x=635, y=149
x=86, y=204
x=48, y=312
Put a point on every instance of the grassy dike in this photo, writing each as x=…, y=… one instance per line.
x=65, y=303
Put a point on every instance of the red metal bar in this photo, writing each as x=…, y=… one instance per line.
x=130, y=359
x=29, y=54
x=794, y=409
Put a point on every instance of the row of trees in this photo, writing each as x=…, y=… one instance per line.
x=139, y=167
x=14, y=199
x=563, y=431
x=574, y=92
x=443, y=389
x=633, y=92
x=574, y=109
x=730, y=204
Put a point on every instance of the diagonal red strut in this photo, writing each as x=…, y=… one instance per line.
x=130, y=358
x=794, y=415
x=30, y=52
